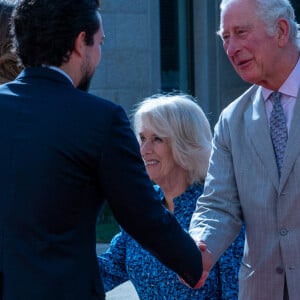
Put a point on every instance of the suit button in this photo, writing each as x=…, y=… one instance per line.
x=279, y=270
x=283, y=232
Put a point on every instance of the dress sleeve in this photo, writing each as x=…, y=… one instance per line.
x=112, y=263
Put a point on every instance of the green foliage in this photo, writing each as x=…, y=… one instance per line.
x=105, y=232
x=106, y=226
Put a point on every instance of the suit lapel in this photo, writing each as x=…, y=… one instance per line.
x=293, y=144
x=259, y=134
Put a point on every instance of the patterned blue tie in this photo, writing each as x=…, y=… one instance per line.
x=278, y=129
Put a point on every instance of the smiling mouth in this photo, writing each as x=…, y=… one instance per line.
x=150, y=162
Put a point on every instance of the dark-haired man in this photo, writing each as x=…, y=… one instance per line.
x=63, y=151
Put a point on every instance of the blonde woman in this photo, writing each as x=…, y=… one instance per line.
x=175, y=143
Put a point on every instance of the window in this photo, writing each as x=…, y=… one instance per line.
x=177, y=45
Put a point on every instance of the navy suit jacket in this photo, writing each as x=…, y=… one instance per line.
x=63, y=153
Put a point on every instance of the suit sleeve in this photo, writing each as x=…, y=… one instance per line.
x=217, y=219
x=137, y=207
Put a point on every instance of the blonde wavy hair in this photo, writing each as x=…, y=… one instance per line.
x=180, y=119
x=9, y=64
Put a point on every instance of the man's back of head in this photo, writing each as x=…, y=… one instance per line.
x=45, y=30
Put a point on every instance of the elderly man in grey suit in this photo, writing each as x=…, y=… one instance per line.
x=254, y=171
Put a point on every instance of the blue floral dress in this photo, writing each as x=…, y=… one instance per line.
x=127, y=260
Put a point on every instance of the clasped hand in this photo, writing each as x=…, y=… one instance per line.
x=206, y=265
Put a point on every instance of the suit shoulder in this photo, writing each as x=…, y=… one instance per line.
x=241, y=103
x=97, y=105
x=92, y=99
x=94, y=109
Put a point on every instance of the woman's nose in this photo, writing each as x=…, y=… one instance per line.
x=145, y=147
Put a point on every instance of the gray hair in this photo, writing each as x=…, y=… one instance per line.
x=269, y=11
x=180, y=119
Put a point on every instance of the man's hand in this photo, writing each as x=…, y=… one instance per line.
x=206, y=263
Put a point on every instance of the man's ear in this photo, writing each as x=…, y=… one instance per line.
x=80, y=44
x=283, y=32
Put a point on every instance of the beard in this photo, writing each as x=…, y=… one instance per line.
x=84, y=83
x=88, y=72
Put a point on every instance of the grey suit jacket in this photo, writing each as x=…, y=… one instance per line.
x=243, y=185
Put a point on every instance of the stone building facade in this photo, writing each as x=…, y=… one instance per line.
x=163, y=45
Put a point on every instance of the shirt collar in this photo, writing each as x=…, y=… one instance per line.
x=290, y=87
x=60, y=71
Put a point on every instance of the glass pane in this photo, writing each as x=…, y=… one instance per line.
x=176, y=45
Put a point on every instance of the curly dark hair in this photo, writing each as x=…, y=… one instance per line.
x=9, y=65
x=45, y=30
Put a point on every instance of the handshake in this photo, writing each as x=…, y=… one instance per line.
x=207, y=263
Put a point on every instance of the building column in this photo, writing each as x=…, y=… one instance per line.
x=216, y=83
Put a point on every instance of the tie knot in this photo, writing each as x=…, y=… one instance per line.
x=275, y=96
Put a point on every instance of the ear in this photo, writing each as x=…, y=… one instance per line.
x=80, y=44
x=283, y=32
